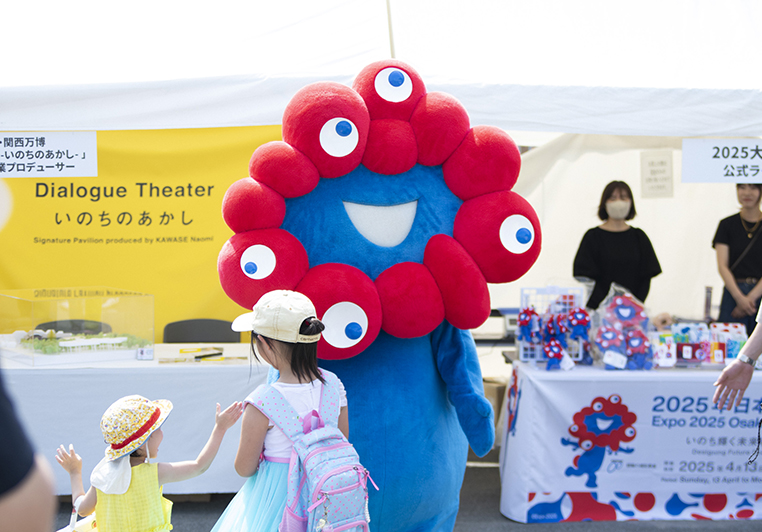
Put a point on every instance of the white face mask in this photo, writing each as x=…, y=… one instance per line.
x=618, y=209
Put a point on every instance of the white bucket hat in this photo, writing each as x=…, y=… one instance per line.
x=279, y=315
x=129, y=422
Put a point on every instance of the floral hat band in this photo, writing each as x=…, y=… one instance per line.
x=129, y=422
x=140, y=432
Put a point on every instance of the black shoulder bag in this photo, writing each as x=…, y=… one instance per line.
x=745, y=251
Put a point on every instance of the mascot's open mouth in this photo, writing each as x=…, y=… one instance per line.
x=603, y=424
x=386, y=226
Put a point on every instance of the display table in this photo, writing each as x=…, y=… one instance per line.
x=62, y=405
x=592, y=444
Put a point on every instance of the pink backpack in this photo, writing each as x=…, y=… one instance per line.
x=327, y=485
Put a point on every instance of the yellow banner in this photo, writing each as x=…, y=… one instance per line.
x=149, y=222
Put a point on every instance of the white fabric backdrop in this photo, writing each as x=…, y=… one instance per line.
x=591, y=66
x=62, y=405
x=660, y=70
x=564, y=180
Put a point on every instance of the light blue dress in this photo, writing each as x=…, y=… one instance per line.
x=258, y=506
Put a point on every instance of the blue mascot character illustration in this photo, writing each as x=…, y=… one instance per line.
x=554, y=351
x=391, y=213
x=602, y=426
x=639, y=353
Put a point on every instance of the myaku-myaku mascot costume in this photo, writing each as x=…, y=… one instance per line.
x=391, y=213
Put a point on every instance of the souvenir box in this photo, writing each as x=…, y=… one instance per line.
x=694, y=344
x=59, y=326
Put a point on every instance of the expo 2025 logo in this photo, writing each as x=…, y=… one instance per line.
x=603, y=426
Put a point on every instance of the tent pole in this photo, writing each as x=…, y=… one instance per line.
x=391, y=33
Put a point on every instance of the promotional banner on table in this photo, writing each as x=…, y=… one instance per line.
x=591, y=444
x=138, y=210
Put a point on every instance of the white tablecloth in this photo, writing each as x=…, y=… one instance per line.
x=62, y=405
x=618, y=445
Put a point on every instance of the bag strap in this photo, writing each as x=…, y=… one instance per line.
x=272, y=404
x=745, y=251
x=330, y=400
x=276, y=407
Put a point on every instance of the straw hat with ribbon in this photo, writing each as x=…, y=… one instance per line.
x=129, y=422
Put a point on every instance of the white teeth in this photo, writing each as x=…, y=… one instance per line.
x=603, y=424
x=385, y=226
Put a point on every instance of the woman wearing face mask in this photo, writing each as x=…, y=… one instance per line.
x=739, y=258
x=614, y=251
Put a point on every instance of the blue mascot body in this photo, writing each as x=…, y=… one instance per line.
x=391, y=214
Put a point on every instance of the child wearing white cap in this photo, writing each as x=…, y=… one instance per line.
x=126, y=487
x=284, y=331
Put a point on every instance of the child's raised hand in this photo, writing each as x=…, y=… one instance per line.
x=69, y=460
x=229, y=416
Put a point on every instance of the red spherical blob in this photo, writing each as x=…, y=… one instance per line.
x=410, y=300
x=253, y=263
x=501, y=232
x=391, y=147
x=390, y=88
x=283, y=168
x=644, y=501
x=486, y=161
x=461, y=283
x=586, y=507
x=249, y=205
x=328, y=122
x=440, y=124
x=715, y=502
x=347, y=303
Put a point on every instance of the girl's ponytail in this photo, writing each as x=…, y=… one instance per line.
x=311, y=326
x=304, y=356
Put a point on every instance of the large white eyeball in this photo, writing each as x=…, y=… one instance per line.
x=258, y=261
x=393, y=85
x=339, y=137
x=517, y=234
x=597, y=406
x=586, y=445
x=629, y=432
x=345, y=324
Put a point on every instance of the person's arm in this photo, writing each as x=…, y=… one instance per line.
x=253, y=431
x=458, y=364
x=31, y=505
x=641, y=292
x=586, y=267
x=72, y=463
x=744, y=303
x=736, y=376
x=27, y=502
x=177, y=471
x=344, y=422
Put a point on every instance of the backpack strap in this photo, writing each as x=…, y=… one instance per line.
x=330, y=400
x=272, y=404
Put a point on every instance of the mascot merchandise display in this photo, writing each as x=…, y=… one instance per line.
x=391, y=213
x=563, y=335
x=622, y=337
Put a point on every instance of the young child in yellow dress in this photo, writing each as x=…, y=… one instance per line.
x=126, y=487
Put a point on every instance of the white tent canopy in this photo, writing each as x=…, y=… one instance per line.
x=621, y=77
x=592, y=66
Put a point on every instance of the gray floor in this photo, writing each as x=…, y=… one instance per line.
x=479, y=511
